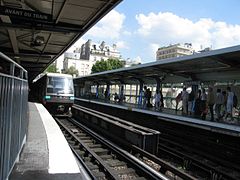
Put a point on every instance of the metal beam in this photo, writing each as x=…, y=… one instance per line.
x=9, y=52
x=61, y=11
x=12, y=34
x=19, y=37
x=62, y=28
x=45, y=55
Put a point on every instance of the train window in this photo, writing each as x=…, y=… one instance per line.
x=60, y=85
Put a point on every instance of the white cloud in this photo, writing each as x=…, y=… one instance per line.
x=109, y=27
x=122, y=45
x=127, y=33
x=137, y=59
x=153, y=49
x=168, y=28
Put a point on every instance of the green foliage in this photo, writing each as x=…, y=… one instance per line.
x=109, y=64
x=71, y=70
x=52, y=69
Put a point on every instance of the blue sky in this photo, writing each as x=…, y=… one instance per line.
x=139, y=27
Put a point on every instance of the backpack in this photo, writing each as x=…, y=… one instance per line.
x=235, y=101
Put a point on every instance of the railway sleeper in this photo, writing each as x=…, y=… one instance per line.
x=72, y=142
x=128, y=171
x=80, y=153
x=87, y=159
x=81, y=135
x=115, y=162
x=99, y=175
x=75, y=146
x=92, y=166
x=85, y=138
x=100, y=151
x=87, y=141
x=94, y=145
x=107, y=156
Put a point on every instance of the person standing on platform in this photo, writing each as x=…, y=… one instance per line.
x=184, y=100
x=197, y=105
x=204, y=103
x=218, y=104
x=145, y=97
x=121, y=95
x=178, y=99
x=162, y=103
x=190, y=103
x=230, y=95
x=116, y=97
x=149, y=96
x=210, y=102
x=224, y=105
x=157, y=98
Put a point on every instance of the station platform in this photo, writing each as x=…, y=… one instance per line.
x=168, y=115
x=46, y=154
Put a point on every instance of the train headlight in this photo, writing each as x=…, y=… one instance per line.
x=71, y=98
x=47, y=97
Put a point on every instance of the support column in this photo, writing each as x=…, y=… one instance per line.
x=158, y=88
x=97, y=91
x=121, y=93
x=140, y=93
x=195, y=88
x=136, y=99
x=107, y=92
x=130, y=99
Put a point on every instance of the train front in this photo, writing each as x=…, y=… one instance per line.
x=59, y=95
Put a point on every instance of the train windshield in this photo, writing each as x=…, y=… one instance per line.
x=60, y=85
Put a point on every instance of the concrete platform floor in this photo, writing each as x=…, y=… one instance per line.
x=46, y=154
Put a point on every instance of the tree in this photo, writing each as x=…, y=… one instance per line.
x=109, y=64
x=71, y=70
x=52, y=68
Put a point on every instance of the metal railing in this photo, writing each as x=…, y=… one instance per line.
x=13, y=113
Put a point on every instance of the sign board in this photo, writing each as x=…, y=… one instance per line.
x=25, y=14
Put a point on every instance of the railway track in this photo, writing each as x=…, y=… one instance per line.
x=103, y=159
x=192, y=160
x=198, y=154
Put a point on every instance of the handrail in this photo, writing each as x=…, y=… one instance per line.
x=13, y=113
x=12, y=68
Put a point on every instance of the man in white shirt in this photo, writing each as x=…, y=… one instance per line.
x=230, y=95
x=184, y=100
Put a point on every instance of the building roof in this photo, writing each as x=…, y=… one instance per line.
x=216, y=65
x=35, y=33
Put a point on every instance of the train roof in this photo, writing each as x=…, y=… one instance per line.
x=216, y=65
x=58, y=75
x=51, y=75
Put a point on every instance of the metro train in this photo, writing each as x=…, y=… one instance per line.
x=55, y=91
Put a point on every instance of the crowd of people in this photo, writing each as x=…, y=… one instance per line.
x=200, y=103
x=158, y=97
x=196, y=103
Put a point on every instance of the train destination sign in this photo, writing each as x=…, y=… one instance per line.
x=26, y=14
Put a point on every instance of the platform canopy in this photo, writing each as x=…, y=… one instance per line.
x=216, y=65
x=36, y=32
